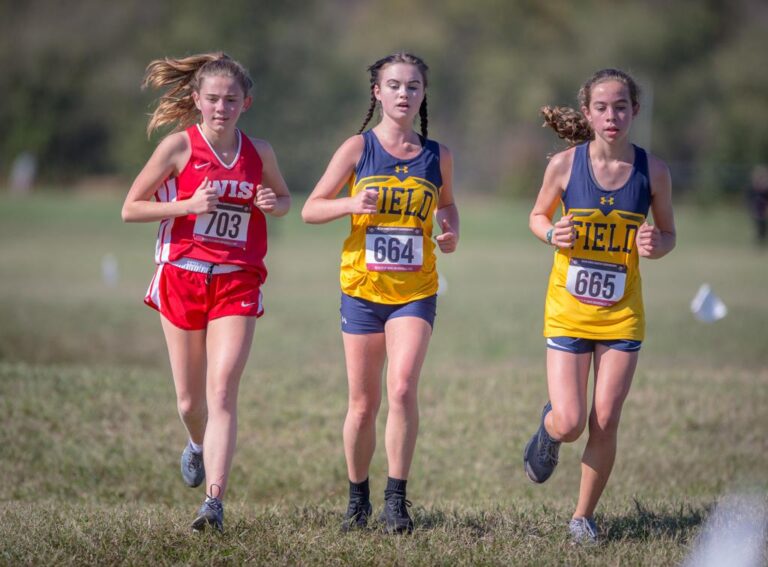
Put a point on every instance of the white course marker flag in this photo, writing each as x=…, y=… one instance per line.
x=706, y=306
x=734, y=535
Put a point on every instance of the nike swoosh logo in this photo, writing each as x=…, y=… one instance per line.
x=244, y=304
x=202, y=165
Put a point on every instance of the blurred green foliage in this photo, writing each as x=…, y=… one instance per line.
x=71, y=75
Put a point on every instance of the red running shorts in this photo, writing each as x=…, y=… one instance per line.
x=186, y=300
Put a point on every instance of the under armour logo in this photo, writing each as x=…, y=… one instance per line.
x=401, y=169
x=606, y=200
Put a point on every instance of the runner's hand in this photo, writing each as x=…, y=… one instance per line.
x=648, y=239
x=365, y=202
x=564, y=233
x=446, y=241
x=266, y=200
x=203, y=200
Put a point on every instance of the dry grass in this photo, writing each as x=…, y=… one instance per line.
x=90, y=437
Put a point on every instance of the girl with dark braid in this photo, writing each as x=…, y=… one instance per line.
x=399, y=184
x=605, y=187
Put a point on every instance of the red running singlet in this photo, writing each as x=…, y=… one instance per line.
x=236, y=232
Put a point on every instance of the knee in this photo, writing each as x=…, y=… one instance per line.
x=189, y=407
x=403, y=394
x=363, y=410
x=568, y=425
x=222, y=400
x=604, y=422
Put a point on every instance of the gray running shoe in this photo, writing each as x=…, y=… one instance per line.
x=357, y=515
x=541, y=452
x=211, y=513
x=192, y=467
x=583, y=531
x=395, y=515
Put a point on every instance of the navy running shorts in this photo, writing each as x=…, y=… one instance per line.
x=576, y=345
x=362, y=317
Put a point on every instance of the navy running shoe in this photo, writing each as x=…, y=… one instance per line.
x=583, y=531
x=357, y=515
x=192, y=467
x=541, y=452
x=211, y=513
x=395, y=515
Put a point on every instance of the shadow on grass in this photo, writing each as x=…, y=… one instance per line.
x=477, y=524
x=646, y=524
x=471, y=524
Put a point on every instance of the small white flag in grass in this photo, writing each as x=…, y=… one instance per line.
x=442, y=285
x=706, y=306
x=733, y=535
x=110, y=274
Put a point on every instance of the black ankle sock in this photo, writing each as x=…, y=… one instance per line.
x=359, y=490
x=395, y=487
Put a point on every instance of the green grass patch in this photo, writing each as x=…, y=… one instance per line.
x=91, y=439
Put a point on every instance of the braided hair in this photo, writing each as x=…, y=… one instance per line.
x=571, y=125
x=374, y=70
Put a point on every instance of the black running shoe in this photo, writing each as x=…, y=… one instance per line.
x=395, y=515
x=357, y=515
x=541, y=453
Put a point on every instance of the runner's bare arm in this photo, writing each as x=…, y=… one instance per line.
x=169, y=158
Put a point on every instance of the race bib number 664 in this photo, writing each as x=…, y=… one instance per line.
x=393, y=249
x=596, y=283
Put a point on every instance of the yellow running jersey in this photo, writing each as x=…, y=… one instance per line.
x=595, y=291
x=389, y=256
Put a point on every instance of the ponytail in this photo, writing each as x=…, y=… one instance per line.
x=569, y=124
x=182, y=77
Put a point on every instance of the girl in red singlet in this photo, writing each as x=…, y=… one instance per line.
x=212, y=186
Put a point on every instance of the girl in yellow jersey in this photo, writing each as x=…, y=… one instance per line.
x=605, y=187
x=400, y=183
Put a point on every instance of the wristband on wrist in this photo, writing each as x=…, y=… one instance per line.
x=549, y=235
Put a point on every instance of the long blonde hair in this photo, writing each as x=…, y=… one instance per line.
x=182, y=77
x=571, y=125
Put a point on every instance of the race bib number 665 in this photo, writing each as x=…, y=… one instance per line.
x=393, y=249
x=596, y=283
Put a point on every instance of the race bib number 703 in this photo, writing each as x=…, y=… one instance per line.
x=596, y=283
x=228, y=224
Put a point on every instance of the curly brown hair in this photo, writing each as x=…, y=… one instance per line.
x=571, y=125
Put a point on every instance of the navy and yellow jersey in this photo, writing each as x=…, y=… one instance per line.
x=594, y=289
x=389, y=256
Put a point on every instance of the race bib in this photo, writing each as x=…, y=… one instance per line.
x=228, y=224
x=393, y=249
x=596, y=283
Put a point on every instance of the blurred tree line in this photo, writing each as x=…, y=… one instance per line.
x=72, y=70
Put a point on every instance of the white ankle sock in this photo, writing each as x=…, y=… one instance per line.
x=195, y=447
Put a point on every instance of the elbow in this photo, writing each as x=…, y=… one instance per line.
x=672, y=242
x=531, y=223
x=284, y=205
x=129, y=213
x=306, y=215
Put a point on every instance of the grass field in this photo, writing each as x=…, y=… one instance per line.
x=90, y=437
